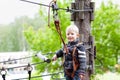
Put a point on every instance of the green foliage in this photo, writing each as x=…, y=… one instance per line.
x=11, y=35
x=9, y=38
x=106, y=28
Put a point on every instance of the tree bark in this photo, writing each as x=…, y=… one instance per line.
x=83, y=21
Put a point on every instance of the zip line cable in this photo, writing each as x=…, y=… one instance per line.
x=53, y=5
x=29, y=68
x=68, y=10
x=24, y=65
x=35, y=3
x=39, y=55
x=23, y=58
x=41, y=4
x=17, y=59
x=29, y=72
x=41, y=76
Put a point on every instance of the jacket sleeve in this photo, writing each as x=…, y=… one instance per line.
x=81, y=59
x=59, y=53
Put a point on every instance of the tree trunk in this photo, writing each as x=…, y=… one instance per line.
x=83, y=20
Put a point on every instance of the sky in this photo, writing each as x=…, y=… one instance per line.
x=11, y=9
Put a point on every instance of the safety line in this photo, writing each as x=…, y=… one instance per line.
x=68, y=10
x=24, y=65
x=40, y=76
x=17, y=59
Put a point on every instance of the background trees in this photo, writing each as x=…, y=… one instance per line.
x=12, y=35
x=106, y=28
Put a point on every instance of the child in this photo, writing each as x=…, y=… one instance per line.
x=75, y=60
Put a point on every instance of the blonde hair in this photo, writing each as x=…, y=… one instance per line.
x=72, y=27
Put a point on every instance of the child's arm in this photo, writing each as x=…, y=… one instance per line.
x=58, y=54
x=82, y=59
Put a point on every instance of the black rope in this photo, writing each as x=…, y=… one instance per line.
x=41, y=76
x=99, y=60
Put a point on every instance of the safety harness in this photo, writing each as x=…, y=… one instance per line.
x=75, y=62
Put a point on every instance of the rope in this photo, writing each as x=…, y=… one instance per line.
x=49, y=14
x=96, y=58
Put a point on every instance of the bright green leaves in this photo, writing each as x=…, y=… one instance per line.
x=106, y=28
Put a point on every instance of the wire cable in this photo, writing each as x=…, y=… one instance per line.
x=25, y=65
x=35, y=3
x=17, y=59
x=23, y=58
x=40, y=76
x=66, y=9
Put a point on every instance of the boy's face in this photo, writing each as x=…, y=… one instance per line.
x=71, y=36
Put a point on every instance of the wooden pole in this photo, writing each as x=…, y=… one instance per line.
x=82, y=18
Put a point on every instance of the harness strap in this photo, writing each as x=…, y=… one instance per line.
x=75, y=64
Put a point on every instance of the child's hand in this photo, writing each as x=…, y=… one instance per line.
x=54, y=58
x=81, y=77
